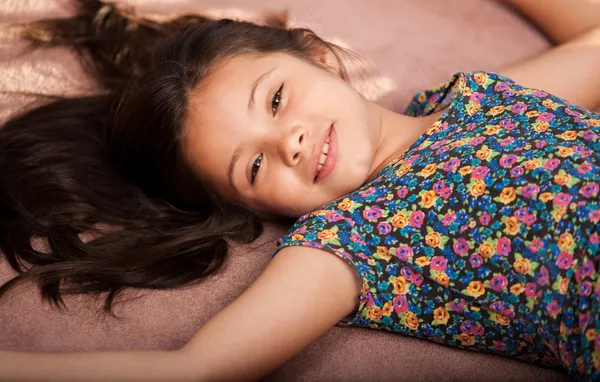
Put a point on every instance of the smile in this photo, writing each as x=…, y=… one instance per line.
x=325, y=162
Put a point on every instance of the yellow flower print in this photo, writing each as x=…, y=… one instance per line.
x=442, y=279
x=440, y=315
x=558, y=213
x=465, y=170
x=593, y=122
x=521, y=266
x=565, y=151
x=477, y=188
x=297, y=237
x=562, y=179
x=345, y=205
x=411, y=320
x=428, y=199
x=422, y=261
x=387, y=309
x=433, y=239
x=400, y=286
x=512, y=225
x=404, y=169
x=483, y=154
x=422, y=97
x=563, y=286
x=486, y=250
x=491, y=130
x=517, y=289
x=480, y=77
x=532, y=113
x=541, y=127
x=475, y=289
x=371, y=261
x=508, y=194
x=465, y=339
x=383, y=253
x=546, y=196
x=565, y=241
x=496, y=110
x=474, y=108
x=429, y=170
x=500, y=319
x=327, y=235
x=590, y=334
x=399, y=220
x=533, y=164
x=569, y=135
x=549, y=104
x=374, y=313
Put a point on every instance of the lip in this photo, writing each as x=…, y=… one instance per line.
x=332, y=153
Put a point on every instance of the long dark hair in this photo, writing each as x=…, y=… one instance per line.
x=110, y=166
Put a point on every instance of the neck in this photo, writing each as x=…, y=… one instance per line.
x=397, y=132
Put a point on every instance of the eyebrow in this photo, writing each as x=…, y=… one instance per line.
x=251, y=102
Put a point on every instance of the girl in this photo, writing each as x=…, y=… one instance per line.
x=473, y=225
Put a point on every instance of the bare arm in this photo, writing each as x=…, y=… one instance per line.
x=300, y=295
x=569, y=70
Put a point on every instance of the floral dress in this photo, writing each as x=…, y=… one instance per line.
x=483, y=234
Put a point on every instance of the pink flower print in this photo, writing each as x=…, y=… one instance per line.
x=439, y=186
x=587, y=268
x=476, y=97
x=501, y=86
x=588, y=135
x=498, y=283
x=503, y=246
x=449, y=218
x=368, y=299
x=519, y=107
x=417, y=279
x=589, y=190
x=545, y=117
x=584, y=320
x=508, y=160
x=446, y=193
x=461, y=246
x=585, y=289
x=333, y=216
x=466, y=327
x=530, y=290
x=404, y=252
x=356, y=238
x=597, y=342
x=480, y=172
x=484, y=218
x=542, y=276
x=553, y=308
x=540, y=144
x=551, y=164
x=536, y=245
x=530, y=190
x=458, y=306
x=500, y=346
x=508, y=312
x=372, y=213
x=384, y=228
x=451, y=164
x=507, y=94
x=477, y=141
x=540, y=94
x=584, y=168
x=442, y=150
x=412, y=158
x=438, y=263
x=594, y=216
x=507, y=141
x=406, y=272
x=402, y=192
x=416, y=218
x=475, y=260
x=517, y=171
x=478, y=330
x=471, y=126
x=521, y=213
x=400, y=304
x=529, y=220
x=562, y=199
x=594, y=238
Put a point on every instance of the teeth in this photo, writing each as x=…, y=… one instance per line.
x=325, y=148
x=319, y=167
x=322, y=159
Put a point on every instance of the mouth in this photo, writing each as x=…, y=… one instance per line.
x=325, y=158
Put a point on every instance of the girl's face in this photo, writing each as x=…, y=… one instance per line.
x=259, y=125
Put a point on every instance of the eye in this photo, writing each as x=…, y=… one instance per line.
x=255, y=168
x=276, y=100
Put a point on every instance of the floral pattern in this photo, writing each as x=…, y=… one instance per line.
x=483, y=234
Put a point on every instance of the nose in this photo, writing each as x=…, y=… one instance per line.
x=292, y=145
